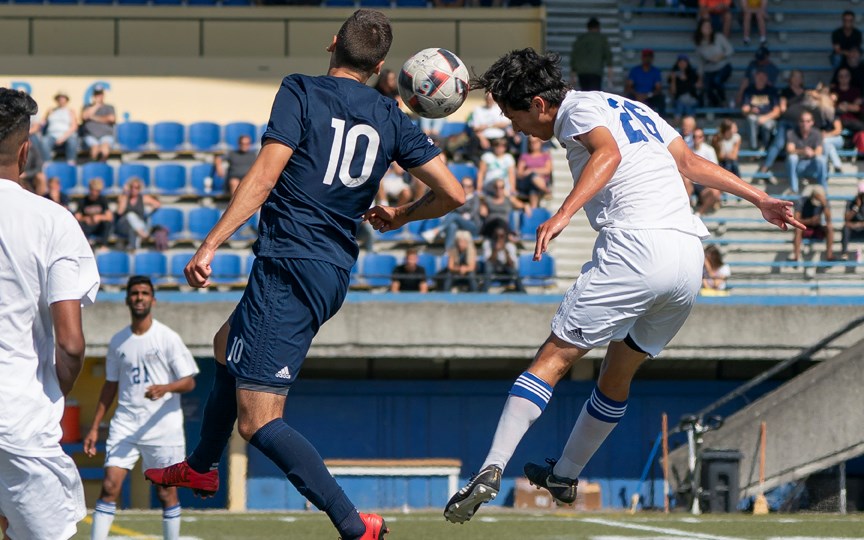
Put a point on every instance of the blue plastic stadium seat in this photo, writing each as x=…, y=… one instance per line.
x=132, y=2
x=234, y=130
x=133, y=136
x=236, y=2
x=250, y=260
x=199, y=175
x=153, y=264
x=462, y=170
x=375, y=3
x=537, y=273
x=201, y=2
x=528, y=228
x=97, y=169
x=171, y=219
x=411, y=3
x=169, y=136
x=113, y=267
x=169, y=179
x=377, y=269
x=452, y=128
x=428, y=262
x=62, y=1
x=338, y=3
x=99, y=2
x=67, y=174
x=201, y=220
x=130, y=170
x=178, y=263
x=226, y=268
x=249, y=231
x=204, y=136
x=167, y=2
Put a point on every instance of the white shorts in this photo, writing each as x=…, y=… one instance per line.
x=125, y=455
x=640, y=283
x=42, y=497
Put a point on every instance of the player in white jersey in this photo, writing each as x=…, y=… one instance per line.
x=638, y=289
x=149, y=366
x=47, y=271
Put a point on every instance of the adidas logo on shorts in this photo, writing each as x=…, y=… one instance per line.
x=284, y=373
x=575, y=333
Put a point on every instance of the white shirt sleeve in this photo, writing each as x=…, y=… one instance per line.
x=72, y=272
x=583, y=118
x=112, y=365
x=181, y=360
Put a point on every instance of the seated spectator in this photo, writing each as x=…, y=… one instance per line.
x=844, y=39
x=461, y=268
x=684, y=87
x=386, y=84
x=727, y=144
x=804, y=153
x=488, y=123
x=497, y=165
x=718, y=13
x=465, y=218
x=713, y=53
x=814, y=212
x=761, y=62
x=534, y=173
x=394, y=190
x=32, y=177
x=501, y=261
x=761, y=107
x=432, y=127
x=55, y=193
x=715, y=272
x=794, y=100
x=853, y=222
x=645, y=83
x=853, y=63
x=61, y=129
x=830, y=126
x=132, y=213
x=496, y=209
x=94, y=215
x=98, y=128
x=757, y=9
x=238, y=161
x=688, y=126
x=409, y=276
x=848, y=102
x=707, y=199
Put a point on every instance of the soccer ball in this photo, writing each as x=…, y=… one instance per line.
x=433, y=83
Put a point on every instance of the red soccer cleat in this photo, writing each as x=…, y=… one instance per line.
x=182, y=475
x=375, y=527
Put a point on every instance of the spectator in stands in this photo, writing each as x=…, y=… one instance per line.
x=495, y=165
x=409, y=276
x=239, y=162
x=461, y=268
x=715, y=272
x=94, y=215
x=707, y=199
x=684, y=87
x=727, y=144
x=465, y=218
x=844, y=39
x=386, y=84
x=496, y=209
x=534, y=173
x=98, y=128
x=713, y=51
x=394, y=189
x=813, y=211
x=36, y=142
x=761, y=108
x=132, y=217
x=688, y=126
x=761, y=62
x=488, y=124
x=853, y=222
x=432, y=127
x=719, y=13
x=853, y=63
x=830, y=126
x=645, y=83
x=32, y=177
x=55, y=193
x=750, y=9
x=61, y=129
x=501, y=261
x=793, y=101
x=848, y=102
x=590, y=53
x=804, y=153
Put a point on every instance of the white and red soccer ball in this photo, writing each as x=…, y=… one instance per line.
x=433, y=83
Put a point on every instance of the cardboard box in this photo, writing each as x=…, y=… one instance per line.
x=528, y=497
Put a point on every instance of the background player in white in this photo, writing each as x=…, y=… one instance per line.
x=150, y=367
x=47, y=271
x=638, y=289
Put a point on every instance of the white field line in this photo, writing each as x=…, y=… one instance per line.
x=675, y=532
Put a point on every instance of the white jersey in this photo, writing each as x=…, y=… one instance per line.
x=137, y=362
x=44, y=258
x=646, y=191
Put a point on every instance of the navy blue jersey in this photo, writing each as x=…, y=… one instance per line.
x=344, y=135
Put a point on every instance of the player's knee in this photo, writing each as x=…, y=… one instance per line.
x=247, y=428
x=110, y=491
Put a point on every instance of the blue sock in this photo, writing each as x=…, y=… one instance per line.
x=305, y=469
x=220, y=413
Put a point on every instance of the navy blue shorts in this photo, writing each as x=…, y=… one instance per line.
x=285, y=303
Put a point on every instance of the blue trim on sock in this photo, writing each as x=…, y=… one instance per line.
x=604, y=408
x=105, y=507
x=532, y=388
x=171, y=512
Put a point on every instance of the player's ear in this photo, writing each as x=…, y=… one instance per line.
x=330, y=48
x=379, y=67
x=23, y=152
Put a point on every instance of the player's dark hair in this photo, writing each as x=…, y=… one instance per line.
x=515, y=78
x=138, y=280
x=363, y=41
x=16, y=108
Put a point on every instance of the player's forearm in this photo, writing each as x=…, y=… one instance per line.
x=181, y=386
x=596, y=174
x=710, y=175
x=69, y=364
x=430, y=205
x=250, y=195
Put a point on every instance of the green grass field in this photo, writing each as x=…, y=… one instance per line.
x=499, y=525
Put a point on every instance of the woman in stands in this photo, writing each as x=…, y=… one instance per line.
x=727, y=144
x=713, y=51
x=61, y=129
x=715, y=272
x=461, y=264
x=132, y=213
x=534, y=173
x=684, y=87
x=496, y=210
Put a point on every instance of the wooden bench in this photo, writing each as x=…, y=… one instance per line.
x=399, y=467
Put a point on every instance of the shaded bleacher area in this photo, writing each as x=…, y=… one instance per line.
x=376, y=4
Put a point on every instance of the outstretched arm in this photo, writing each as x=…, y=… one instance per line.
x=708, y=174
x=106, y=399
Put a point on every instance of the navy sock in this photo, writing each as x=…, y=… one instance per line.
x=300, y=462
x=220, y=413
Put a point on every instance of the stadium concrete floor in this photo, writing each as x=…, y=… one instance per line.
x=495, y=524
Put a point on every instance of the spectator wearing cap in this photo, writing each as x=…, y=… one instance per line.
x=761, y=62
x=713, y=53
x=761, y=107
x=683, y=87
x=645, y=83
x=719, y=12
x=590, y=53
x=750, y=9
x=61, y=130
x=844, y=39
x=853, y=220
x=98, y=128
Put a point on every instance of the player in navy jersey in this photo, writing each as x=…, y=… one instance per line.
x=328, y=143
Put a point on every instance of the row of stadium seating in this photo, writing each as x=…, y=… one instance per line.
x=172, y=179
x=133, y=136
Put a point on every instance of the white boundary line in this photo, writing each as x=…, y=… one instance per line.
x=647, y=528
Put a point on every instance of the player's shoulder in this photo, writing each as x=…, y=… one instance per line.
x=164, y=331
x=119, y=337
